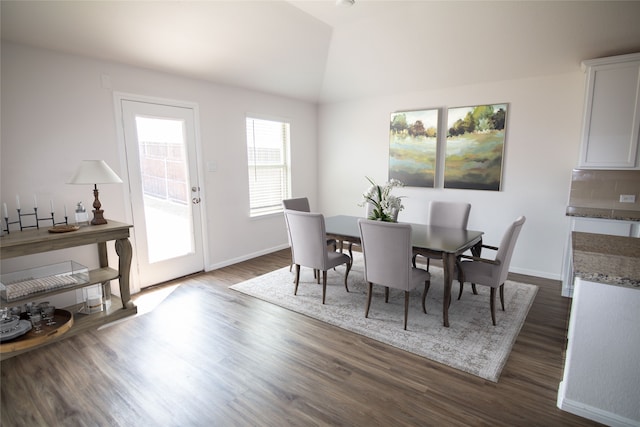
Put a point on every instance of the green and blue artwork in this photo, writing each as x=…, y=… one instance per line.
x=475, y=147
x=412, y=147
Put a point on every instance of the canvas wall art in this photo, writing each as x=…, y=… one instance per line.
x=475, y=147
x=412, y=147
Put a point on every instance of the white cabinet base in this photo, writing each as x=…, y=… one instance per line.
x=601, y=378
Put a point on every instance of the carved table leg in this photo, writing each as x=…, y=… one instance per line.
x=449, y=263
x=123, y=249
x=476, y=250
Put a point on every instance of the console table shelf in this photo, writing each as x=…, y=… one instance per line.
x=37, y=241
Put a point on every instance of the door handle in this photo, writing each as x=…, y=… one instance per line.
x=195, y=200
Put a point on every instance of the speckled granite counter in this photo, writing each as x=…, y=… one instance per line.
x=617, y=214
x=607, y=259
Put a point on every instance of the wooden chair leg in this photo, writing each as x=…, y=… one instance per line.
x=370, y=291
x=502, y=296
x=427, y=284
x=386, y=294
x=406, y=308
x=346, y=274
x=473, y=288
x=428, y=262
x=324, y=285
x=413, y=260
x=297, y=279
x=492, y=303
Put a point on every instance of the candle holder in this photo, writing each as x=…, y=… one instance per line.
x=36, y=223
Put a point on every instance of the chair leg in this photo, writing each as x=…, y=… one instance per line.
x=428, y=262
x=297, y=279
x=324, y=285
x=461, y=280
x=386, y=294
x=492, y=303
x=346, y=274
x=370, y=291
x=427, y=284
x=413, y=260
x=502, y=296
x=406, y=308
x=473, y=288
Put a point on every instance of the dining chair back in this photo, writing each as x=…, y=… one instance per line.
x=386, y=247
x=301, y=204
x=297, y=204
x=446, y=214
x=449, y=214
x=493, y=272
x=307, y=235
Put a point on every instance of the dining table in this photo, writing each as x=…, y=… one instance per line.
x=447, y=243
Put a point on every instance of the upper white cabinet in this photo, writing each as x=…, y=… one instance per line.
x=612, y=113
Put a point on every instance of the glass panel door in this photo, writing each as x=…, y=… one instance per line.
x=165, y=194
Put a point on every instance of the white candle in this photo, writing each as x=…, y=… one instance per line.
x=51, y=203
x=17, y=202
x=35, y=201
x=4, y=209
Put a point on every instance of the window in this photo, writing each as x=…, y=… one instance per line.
x=269, y=169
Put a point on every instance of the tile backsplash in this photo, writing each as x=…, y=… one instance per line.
x=601, y=189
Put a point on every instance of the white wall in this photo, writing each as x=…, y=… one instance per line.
x=542, y=144
x=56, y=112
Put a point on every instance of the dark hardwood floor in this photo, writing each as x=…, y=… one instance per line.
x=208, y=356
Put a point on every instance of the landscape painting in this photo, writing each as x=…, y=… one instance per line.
x=412, y=147
x=475, y=147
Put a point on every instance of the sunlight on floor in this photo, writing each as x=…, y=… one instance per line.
x=147, y=301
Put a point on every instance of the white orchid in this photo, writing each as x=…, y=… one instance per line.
x=384, y=203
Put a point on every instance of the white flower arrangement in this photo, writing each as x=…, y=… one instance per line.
x=385, y=205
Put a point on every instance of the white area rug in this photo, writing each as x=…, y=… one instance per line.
x=471, y=343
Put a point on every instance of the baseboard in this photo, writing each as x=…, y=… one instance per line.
x=245, y=257
x=536, y=273
x=592, y=413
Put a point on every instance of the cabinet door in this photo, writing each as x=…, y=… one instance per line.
x=612, y=116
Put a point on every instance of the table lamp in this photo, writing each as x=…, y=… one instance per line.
x=95, y=172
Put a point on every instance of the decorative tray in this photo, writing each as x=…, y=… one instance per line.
x=64, y=322
x=63, y=228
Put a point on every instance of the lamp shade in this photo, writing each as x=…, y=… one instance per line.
x=95, y=172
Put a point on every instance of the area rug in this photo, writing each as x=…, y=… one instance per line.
x=471, y=343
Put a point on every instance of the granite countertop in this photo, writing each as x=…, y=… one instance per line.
x=603, y=258
x=617, y=214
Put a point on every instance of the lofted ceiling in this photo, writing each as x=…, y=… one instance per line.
x=322, y=52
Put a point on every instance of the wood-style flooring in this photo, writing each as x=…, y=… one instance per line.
x=209, y=356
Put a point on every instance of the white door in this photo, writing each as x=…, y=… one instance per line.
x=160, y=146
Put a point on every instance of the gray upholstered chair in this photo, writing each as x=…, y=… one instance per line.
x=446, y=214
x=302, y=204
x=492, y=272
x=307, y=235
x=386, y=247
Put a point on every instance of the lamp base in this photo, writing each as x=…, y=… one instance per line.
x=98, y=218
